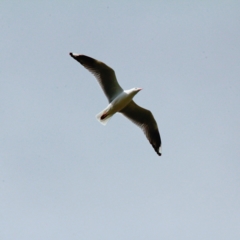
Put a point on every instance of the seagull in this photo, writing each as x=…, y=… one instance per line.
x=121, y=100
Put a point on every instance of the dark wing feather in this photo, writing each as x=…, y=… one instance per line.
x=104, y=74
x=145, y=120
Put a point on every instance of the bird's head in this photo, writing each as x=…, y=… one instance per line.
x=136, y=90
x=133, y=91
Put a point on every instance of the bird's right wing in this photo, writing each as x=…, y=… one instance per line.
x=104, y=74
x=145, y=120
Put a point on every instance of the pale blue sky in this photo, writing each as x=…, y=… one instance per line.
x=65, y=176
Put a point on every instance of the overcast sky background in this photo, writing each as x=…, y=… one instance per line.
x=65, y=176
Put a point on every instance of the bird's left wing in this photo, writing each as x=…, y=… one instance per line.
x=105, y=75
x=145, y=120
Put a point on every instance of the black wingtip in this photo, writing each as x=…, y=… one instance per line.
x=158, y=150
x=75, y=56
x=72, y=55
x=158, y=153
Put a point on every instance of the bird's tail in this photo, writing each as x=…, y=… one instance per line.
x=103, y=117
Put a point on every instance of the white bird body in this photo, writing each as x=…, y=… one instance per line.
x=121, y=100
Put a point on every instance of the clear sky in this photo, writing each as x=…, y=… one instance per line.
x=65, y=176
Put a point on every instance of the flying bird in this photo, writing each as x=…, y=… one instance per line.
x=121, y=100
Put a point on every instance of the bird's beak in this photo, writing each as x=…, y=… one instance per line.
x=139, y=89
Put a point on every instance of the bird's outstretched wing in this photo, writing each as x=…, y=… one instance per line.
x=145, y=120
x=104, y=74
